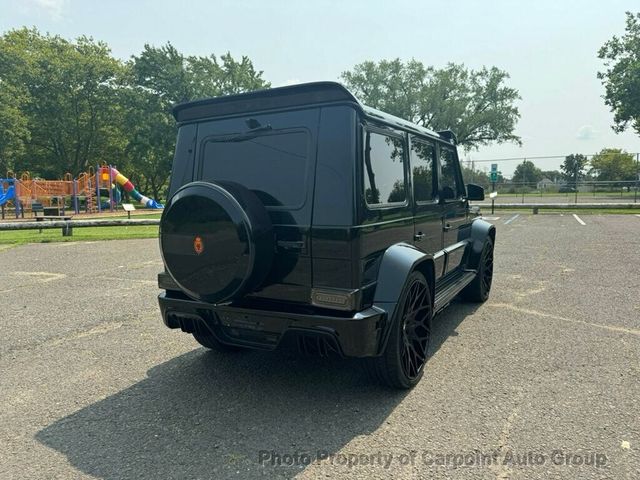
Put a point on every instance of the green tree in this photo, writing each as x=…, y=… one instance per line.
x=14, y=131
x=162, y=77
x=621, y=77
x=613, y=164
x=573, y=168
x=475, y=104
x=527, y=172
x=71, y=100
x=476, y=176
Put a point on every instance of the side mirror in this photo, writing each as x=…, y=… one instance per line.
x=475, y=192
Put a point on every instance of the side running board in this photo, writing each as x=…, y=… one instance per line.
x=449, y=287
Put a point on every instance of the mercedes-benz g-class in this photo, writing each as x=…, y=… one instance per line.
x=298, y=215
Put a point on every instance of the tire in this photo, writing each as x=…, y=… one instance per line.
x=401, y=366
x=478, y=290
x=217, y=241
x=212, y=343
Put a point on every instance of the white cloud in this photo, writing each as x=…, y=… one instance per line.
x=51, y=8
x=586, y=132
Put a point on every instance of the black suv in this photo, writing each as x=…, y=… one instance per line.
x=298, y=215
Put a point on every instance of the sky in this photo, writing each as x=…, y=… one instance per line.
x=549, y=48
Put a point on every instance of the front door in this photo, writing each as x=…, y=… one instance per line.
x=453, y=207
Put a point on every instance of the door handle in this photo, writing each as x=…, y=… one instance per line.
x=418, y=236
x=447, y=227
x=290, y=245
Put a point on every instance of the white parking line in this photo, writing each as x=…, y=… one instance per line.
x=490, y=218
x=512, y=219
x=637, y=215
x=578, y=219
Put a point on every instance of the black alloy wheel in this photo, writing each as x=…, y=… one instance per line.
x=401, y=365
x=479, y=288
x=487, y=268
x=416, y=328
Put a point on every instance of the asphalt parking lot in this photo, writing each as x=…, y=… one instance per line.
x=544, y=377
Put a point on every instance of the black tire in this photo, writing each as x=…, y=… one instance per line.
x=401, y=365
x=478, y=290
x=212, y=343
x=217, y=241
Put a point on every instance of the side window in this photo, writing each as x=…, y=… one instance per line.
x=450, y=186
x=384, y=179
x=423, y=159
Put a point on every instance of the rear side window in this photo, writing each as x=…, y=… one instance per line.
x=423, y=158
x=272, y=165
x=384, y=179
x=449, y=180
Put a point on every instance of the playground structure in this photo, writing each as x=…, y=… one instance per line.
x=94, y=191
x=110, y=174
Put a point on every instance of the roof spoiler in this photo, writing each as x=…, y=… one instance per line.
x=280, y=97
x=449, y=135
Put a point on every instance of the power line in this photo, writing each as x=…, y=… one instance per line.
x=553, y=157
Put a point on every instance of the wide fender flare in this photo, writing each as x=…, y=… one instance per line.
x=480, y=230
x=398, y=262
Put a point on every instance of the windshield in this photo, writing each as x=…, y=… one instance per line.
x=272, y=164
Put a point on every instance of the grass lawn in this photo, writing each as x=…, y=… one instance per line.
x=20, y=237
x=119, y=215
x=10, y=238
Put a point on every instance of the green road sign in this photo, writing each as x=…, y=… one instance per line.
x=494, y=176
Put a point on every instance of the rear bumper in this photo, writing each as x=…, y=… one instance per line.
x=358, y=335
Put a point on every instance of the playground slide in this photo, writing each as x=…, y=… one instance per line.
x=130, y=188
x=10, y=194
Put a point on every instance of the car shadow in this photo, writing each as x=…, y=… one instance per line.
x=210, y=415
x=446, y=323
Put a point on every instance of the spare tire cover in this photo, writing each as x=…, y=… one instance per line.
x=217, y=240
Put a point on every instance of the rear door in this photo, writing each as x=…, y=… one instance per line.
x=453, y=206
x=277, y=164
x=427, y=226
x=386, y=213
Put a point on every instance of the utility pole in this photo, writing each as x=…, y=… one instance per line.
x=575, y=176
x=635, y=195
x=524, y=177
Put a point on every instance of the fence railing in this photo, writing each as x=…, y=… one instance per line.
x=611, y=175
x=583, y=191
x=67, y=226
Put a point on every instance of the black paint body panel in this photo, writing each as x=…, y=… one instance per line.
x=333, y=239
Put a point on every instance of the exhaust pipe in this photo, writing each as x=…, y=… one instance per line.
x=187, y=322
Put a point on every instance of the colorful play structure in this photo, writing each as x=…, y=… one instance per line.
x=110, y=173
x=94, y=191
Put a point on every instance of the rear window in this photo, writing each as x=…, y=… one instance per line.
x=273, y=165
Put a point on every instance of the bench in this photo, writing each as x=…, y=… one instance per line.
x=67, y=230
x=41, y=216
x=37, y=210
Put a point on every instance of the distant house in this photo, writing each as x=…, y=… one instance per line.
x=544, y=184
